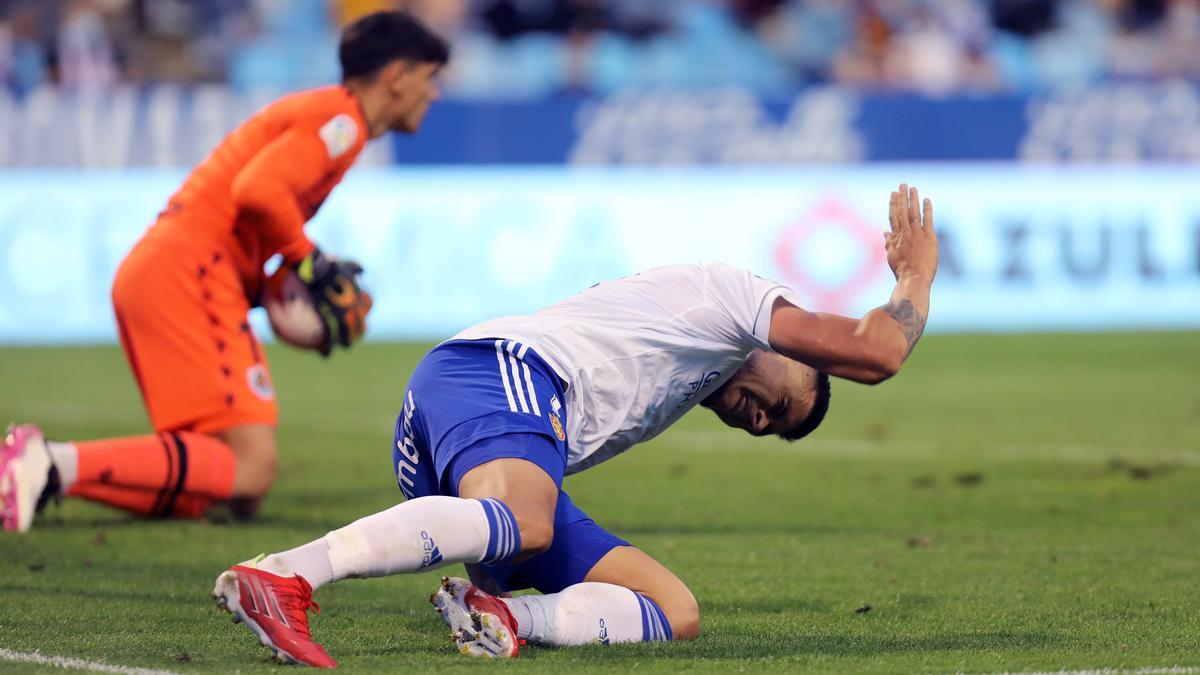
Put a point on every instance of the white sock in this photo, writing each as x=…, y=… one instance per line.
x=420, y=534
x=588, y=613
x=66, y=459
x=310, y=561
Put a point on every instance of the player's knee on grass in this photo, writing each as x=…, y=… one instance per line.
x=256, y=451
x=683, y=612
x=632, y=568
x=676, y=601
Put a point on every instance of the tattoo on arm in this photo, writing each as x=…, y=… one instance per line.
x=910, y=320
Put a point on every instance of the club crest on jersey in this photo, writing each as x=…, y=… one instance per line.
x=559, y=432
x=259, y=381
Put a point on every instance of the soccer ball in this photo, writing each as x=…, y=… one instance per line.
x=290, y=309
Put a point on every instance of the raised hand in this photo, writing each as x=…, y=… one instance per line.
x=912, y=246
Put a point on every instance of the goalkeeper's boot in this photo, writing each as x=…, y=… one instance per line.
x=480, y=623
x=276, y=609
x=25, y=469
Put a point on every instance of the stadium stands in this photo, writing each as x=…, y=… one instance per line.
x=521, y=49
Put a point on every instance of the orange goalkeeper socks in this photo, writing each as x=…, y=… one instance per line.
x=143, y=502
x=167, y=470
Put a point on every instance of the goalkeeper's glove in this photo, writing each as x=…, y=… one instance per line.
x=337, y=297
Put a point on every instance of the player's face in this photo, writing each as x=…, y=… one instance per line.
x=769, y=394
x=414, y=89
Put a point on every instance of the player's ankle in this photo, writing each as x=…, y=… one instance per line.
x=275, y=564
x=64, y=460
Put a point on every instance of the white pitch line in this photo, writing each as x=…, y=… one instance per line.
x=74, y=664
x=1170, y=670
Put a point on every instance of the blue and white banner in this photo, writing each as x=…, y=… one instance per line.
x=171, y=126
x=1021, y=249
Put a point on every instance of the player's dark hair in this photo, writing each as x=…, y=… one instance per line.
x=377, y=39
x=815, y=416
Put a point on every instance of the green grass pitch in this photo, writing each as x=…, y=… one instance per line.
x=1006, y=503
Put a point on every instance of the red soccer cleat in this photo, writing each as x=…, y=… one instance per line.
x=276, y=609
x=480, y=623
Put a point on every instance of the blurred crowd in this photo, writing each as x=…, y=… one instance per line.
x=538, y=48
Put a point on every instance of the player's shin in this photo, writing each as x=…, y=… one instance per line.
x=171, y=462
x=420, y=534
x=145, y=502
x=165, y=475
x=588, y=613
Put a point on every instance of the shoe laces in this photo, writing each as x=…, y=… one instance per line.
x=297, y=602
x=305, y=601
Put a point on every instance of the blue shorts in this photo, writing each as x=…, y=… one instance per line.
x=472, y=401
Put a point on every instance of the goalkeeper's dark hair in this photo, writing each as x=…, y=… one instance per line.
x=376, y=40
x=815, y=416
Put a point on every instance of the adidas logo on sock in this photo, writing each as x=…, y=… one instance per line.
x=432, y=555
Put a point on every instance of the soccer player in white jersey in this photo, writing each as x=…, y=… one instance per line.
x=495, y=417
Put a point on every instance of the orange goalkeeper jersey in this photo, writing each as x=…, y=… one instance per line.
x=253, y=194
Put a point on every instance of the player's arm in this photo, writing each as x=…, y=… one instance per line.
x=268, y=192
x=870, y=349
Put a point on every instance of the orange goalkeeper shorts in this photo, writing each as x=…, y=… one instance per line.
x=181, y=312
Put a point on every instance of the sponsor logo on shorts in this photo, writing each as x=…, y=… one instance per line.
x=410, y=458
x=558, y=427
x=259, y=381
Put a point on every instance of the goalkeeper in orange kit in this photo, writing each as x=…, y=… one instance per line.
x=182, y=295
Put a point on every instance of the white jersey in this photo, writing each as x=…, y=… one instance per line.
x=637, y=353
